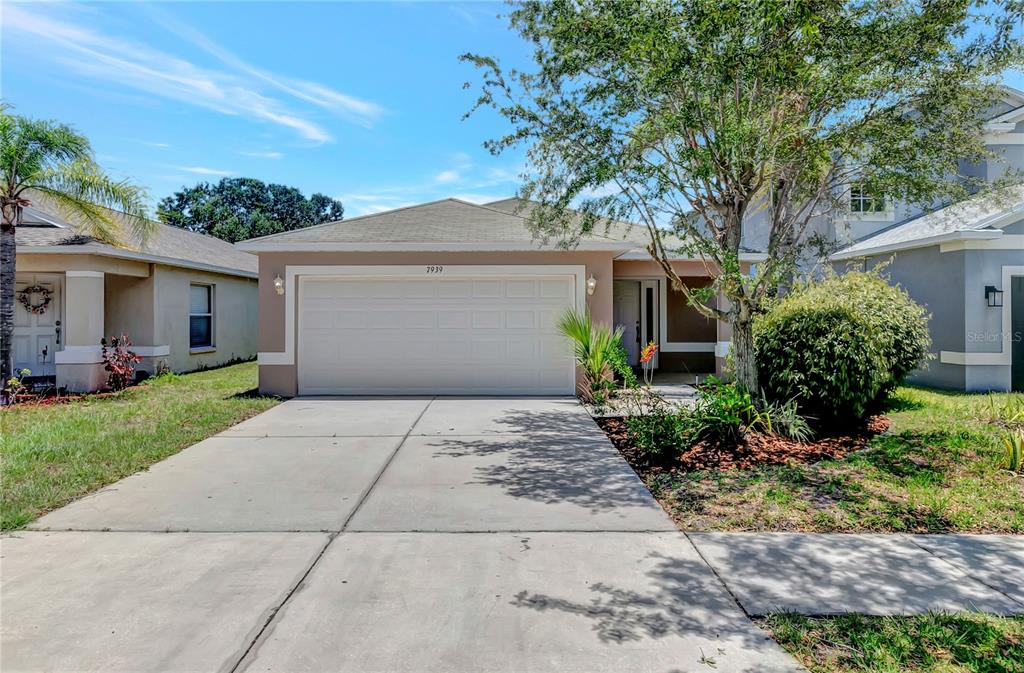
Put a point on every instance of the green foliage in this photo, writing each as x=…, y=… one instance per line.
x=840, y=345
x=784, y=419
x=704, y=114
x=236, y=209
x=49, y=161
x=1006, y=409
x=1013, y=444
x=661, y=434
x=967, y=642
x=594, y=346
x=619, y=361
x=722, y=414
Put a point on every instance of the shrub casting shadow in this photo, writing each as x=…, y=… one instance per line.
x=551, y=456
x=684, y=599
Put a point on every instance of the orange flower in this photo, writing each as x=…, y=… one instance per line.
x=648, y=352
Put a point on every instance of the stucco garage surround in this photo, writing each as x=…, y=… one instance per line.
x=427, y=323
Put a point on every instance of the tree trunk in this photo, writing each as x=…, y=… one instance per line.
x=7, y=254
x=743, y=352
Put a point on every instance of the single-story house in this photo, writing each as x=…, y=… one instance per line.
x=965, y=263
x=185, y=300
x=451, y=297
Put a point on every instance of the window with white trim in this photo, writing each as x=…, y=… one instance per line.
x=864, y=201
x=200, y=316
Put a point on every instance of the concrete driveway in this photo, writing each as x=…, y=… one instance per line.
x=376, y=535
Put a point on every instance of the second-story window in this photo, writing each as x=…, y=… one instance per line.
x=865, y=201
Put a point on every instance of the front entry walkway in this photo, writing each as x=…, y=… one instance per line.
x=376, y=535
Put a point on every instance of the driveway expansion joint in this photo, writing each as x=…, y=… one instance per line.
x=254, y=643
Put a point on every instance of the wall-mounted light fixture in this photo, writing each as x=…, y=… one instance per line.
x=591, y=284
x=993, y=296
x=279, y=284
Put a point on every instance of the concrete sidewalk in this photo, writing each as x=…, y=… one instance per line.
x=872, y=574
x=352, y=535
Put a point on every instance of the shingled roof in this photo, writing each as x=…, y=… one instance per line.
x=450, y=224
x=45, y=232
x=980, y=216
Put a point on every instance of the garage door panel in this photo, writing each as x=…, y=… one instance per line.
x=455, y=289
x=490, y=335
x=487, y=319
x=521, y=289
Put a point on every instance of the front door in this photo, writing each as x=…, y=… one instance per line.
x=650, y=315
x=626, y=312
x=37, y=334
x=1017, y=332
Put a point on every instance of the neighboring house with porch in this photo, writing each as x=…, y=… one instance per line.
x=452, y=297
x=186, y=301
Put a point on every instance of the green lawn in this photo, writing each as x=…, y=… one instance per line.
x=937, y=470
x=960, y=643
x=53, y=454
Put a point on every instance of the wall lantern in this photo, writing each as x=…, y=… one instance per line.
x=591, y=284
x=993, y=296
x=279, y=284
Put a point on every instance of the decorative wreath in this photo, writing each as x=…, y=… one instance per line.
x=26, y=295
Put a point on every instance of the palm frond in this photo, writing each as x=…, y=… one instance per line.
x=85, y=190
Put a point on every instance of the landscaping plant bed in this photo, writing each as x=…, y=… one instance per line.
x=750, y=451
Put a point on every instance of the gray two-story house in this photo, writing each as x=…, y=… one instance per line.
x=965, y=262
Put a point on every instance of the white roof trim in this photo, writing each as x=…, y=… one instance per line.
x=134, y=256
x=640, y=254
x=919, y=243
x=499, y=246
x=1010, y=116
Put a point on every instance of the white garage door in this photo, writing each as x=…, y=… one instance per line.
x=426, y=334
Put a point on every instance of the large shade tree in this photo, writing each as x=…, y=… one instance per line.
x=235, y=209
x=694, y=117
x=46, y=159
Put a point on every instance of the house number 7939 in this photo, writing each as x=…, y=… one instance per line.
x=435, y=269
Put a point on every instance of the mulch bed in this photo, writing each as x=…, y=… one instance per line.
x=49, y=400
x=753, y=450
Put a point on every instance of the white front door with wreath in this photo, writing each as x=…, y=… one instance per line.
x=38, y=311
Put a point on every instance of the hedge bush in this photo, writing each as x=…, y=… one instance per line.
x=840, y=345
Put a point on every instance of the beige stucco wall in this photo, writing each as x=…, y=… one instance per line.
x=31, y=262
x=282, y=379
x=129, y=309
x=234, y=322
x=150, y=304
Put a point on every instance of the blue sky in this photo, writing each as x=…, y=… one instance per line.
x=359, y=101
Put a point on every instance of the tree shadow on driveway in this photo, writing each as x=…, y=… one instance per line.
x=548, y=457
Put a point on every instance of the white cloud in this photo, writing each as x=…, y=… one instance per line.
x=139, y=67
x=448, y=176
x=203, y=170
x=269, y=154
x=150, y=143
x=355, y=109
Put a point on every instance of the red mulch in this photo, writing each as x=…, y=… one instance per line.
x=754, y=449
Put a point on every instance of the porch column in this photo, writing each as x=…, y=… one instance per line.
x=80, y=363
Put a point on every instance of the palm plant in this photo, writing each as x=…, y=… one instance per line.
x=40, y=157
x=593, y=346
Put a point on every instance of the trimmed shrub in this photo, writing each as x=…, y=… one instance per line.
x=840, y=345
